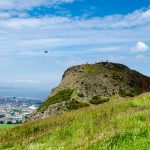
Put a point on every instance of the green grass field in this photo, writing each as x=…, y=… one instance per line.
x=120, y=124
x=6, y=126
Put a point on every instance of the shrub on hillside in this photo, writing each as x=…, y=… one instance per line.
x=61, y=96
x=98, y=100
x=75, y=105
x=80, y=95
x=125, y=94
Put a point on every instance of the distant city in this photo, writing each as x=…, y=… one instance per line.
x=15, y=110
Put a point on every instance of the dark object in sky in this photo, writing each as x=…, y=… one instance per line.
x=46, y=52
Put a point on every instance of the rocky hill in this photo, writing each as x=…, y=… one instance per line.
x=92, y=84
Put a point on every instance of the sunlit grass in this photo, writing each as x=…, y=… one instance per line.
x=6, y=126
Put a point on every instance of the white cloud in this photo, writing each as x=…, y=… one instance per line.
x=29, y=36
x=135, y=19
x=140, y=47
x=12, y=14
x=130, y=59
x=28, y=4
x=70, y=62
x=27, y=82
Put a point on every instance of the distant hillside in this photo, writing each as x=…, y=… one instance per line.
x=88, y=84
x=120, y=124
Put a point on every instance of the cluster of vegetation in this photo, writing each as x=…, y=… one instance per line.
x=17, y=122
x=61, y=96
x=122, y=93
x=80, y=94
x=131, y=93
x=116, y=125
x=2, y=115
x=98, y=100
x=75, y=105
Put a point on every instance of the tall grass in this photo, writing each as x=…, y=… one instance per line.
x=6, y=126
x=120, y=124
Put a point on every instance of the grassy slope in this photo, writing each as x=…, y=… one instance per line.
x=116, y=125
x=6, y=126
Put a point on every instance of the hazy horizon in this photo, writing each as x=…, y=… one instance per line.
x=7, y=91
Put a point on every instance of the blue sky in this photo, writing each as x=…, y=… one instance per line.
x=74, y=32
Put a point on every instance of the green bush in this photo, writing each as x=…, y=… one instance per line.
x=122, y=93
x=9, y=122
x=18, y=122
x=75, y=105
x=61, y=96
x=98, y=100
x=80, y=95
x=2, y=115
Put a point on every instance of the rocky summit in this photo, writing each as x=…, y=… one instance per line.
x=88, y=84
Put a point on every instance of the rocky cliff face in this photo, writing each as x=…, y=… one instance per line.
x=86, y=81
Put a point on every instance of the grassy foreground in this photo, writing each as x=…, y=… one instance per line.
x=120, y=124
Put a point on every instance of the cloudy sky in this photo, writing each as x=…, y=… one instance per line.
x=74, y=32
